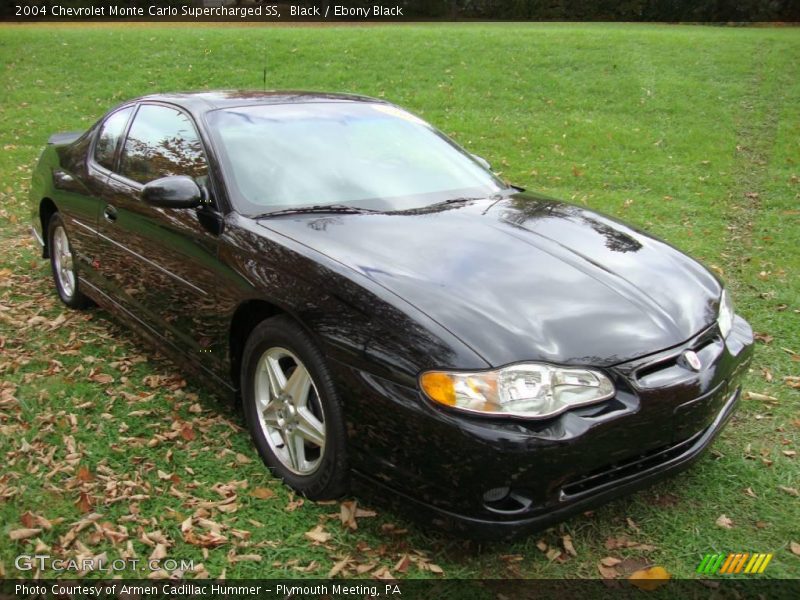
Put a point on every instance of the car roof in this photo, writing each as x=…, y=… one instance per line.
x=204, y=101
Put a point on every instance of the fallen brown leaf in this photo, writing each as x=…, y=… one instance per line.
x=763, y=337
x=318, y=535
x=644, y=547
x=159, y=552
x=204, y=540
x=338, y=566
x=160, y=574
x=234, y=558
x=760, y=397
x=101, y=378
x=794, y=355
x=403, y=563
x=607, y=572
x=553, y=554
x=511, y=558
x=570, y=549
x=724, y=522
x=347, y=514
x=293, y=504
x=382, y=573
x=795, y=548
x=24, y=533
x=435, y=569
x=84, y=474
x=631, y=564
x=84, y=502
x=262, y=493
x=365, y=568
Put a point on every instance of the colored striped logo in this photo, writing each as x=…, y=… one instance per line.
x=735, y=562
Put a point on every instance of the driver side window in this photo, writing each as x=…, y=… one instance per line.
x=162, y=141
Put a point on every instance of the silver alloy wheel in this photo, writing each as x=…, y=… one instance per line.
x=289, y=411
x=62, y=259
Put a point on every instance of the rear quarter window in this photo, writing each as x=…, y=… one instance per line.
x=109, y=137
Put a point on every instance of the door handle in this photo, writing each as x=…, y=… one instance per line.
x=110, y=213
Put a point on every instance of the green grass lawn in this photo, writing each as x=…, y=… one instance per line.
x=692, y=133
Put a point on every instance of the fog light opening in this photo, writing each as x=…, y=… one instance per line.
x=504, y=500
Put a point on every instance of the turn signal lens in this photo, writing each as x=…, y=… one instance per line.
x=530, y=390
x=439, y=387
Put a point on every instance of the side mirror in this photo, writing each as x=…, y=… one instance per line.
x=178, y=191
x=482, y=162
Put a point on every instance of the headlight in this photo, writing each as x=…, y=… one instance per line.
x=726, y=314
x=530, y=390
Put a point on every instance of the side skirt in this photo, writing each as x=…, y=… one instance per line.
x=221, y=387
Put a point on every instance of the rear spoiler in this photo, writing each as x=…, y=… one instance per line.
x=61, y=139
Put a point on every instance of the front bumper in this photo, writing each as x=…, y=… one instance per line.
x=630, y=477
x=497, y=480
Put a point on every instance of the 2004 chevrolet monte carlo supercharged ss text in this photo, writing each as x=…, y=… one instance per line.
x=389, y=312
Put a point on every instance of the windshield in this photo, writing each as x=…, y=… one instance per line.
x=372, y=156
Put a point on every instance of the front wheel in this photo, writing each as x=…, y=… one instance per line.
x=292, y=409
x=62, y=263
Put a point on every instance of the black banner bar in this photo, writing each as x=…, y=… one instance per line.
x=193, y=589
x=271, y=11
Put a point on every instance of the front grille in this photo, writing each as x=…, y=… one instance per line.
x=620, y=470
x=667, y=368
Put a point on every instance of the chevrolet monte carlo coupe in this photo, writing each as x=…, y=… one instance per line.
x=390, y=314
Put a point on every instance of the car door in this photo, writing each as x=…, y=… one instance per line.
x=160, y=263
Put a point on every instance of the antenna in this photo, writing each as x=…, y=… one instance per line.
x=265, y=67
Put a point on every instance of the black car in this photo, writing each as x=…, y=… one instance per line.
x=388, y=311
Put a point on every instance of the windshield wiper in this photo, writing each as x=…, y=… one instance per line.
x=458, y=200
x=464, y=200
x=316, y=208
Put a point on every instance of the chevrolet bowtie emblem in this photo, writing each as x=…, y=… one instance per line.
x=691, y=358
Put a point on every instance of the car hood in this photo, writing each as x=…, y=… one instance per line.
x=525, y=278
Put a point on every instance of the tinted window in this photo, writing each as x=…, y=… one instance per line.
x=162, y=141
x=109, y=137
x=370, y=155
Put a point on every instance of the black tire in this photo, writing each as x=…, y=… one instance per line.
x=282, y=337
x=68, y=289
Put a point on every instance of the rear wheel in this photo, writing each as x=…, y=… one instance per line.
x=292, y=409
x=63, y=265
